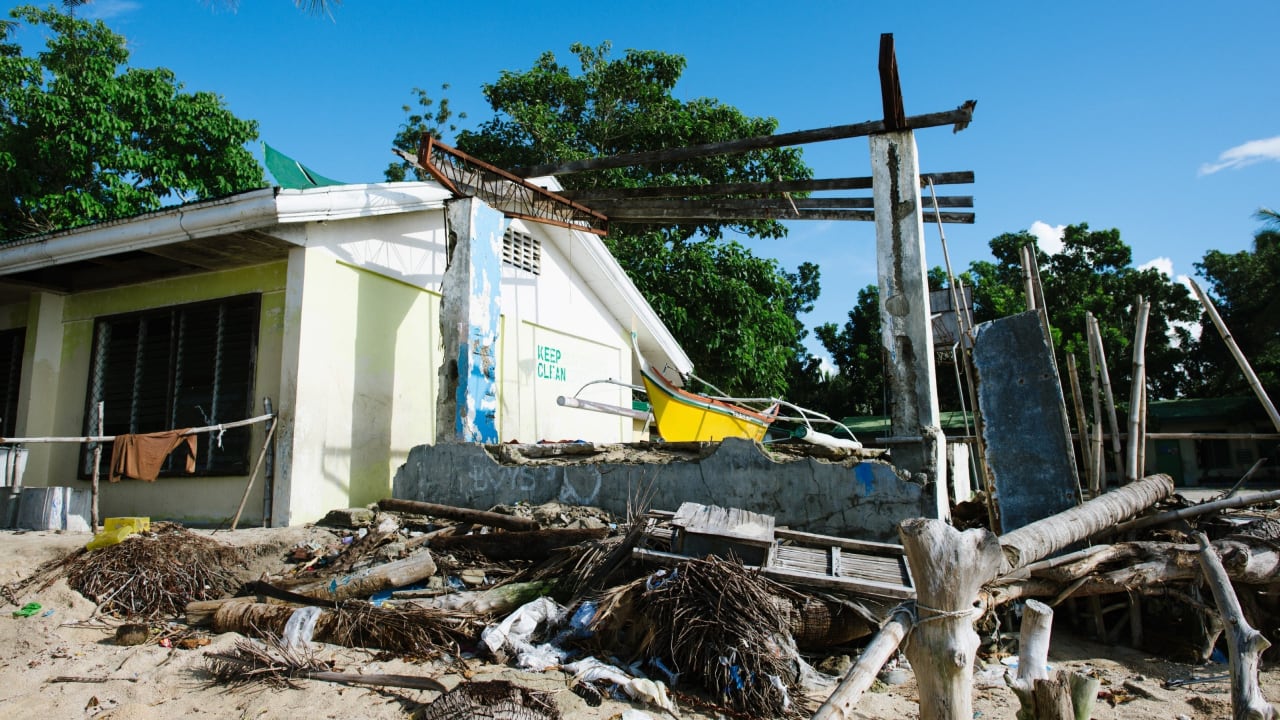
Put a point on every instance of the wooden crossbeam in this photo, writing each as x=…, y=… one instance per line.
x=962, y=177
x=699, y=214
x=958, y=118
x=619, y=208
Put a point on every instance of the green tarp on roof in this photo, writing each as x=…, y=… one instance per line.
x=291, y=174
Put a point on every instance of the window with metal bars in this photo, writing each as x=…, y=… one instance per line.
x=179, y=367
x=522, y=250
x=12, y=343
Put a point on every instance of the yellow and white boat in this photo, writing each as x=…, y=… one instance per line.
x=687, y=416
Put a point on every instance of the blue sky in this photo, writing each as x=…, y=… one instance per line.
x=1161, y=119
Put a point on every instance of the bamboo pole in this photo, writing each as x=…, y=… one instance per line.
x=1142, y=426
x=1249, y=374
x=839, y=705
x=1096, y=336
x=97, y=474
x=109, y=438
x=266, y=443
x=1096, y=439
x=1090, y=479
x=1135, y=391
x=1028, y=289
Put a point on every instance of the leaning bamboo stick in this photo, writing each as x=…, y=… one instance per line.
x=97, y=474
x=266, y=443
x=1089, y=479
x=1197, y=510
x=1249, y=374
x=839, y=705
x=1096, y=336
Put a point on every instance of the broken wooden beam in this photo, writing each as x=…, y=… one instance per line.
x=839, y=705
x=1198, y=510
x=479, y=517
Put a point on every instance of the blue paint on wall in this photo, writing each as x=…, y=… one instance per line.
x=477, y=394
x=866, y=477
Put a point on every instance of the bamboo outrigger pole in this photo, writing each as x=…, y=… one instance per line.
x=1249, y=374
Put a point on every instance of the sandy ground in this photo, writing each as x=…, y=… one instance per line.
x=151, y=681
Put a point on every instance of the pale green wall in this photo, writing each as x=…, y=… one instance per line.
x=365, y=353
x=193, y=500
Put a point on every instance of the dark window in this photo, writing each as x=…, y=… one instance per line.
x=12, y=343
x=180, y=367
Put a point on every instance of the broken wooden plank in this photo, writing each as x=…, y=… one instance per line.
x=531, y=545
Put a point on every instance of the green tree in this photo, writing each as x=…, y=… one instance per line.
x=87, y=139
x=1243, y=289
x=734, y=313
x=855, y=348
x=1094, y=273
x=433, y=119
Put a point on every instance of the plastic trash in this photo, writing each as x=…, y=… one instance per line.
x=300, y=626
x=27, y=610
x=107, y=538
x=513, y=634
x=651, y=692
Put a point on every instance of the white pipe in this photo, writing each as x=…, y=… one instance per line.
x=601, y=407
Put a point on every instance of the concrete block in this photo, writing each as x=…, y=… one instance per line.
x=1029, y=453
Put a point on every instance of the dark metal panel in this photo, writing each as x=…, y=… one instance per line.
x=1028, y=444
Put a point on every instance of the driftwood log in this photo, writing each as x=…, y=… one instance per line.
x=478, y=517
x=364, y=583
x=1245, y=643
x=949, y=568
x=531, y=545
x=1029, y=544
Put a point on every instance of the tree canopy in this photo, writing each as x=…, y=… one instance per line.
x=86, y=138
x=1243, y=287
x=734, y=313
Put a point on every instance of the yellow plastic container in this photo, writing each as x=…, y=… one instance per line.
x=139, y=524
x=107, y=538
x=116, y=529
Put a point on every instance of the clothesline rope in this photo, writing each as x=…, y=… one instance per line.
x=219, y=428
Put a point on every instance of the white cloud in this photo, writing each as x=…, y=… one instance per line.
x=107, y=9
x=1163, y=264
x=1049, y=236
x=1254, y=151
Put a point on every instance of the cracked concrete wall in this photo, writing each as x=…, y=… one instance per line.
x=863, y=500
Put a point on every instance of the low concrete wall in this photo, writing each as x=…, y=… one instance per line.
x=864, y=499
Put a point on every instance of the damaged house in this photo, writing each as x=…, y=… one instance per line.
x=326, y=305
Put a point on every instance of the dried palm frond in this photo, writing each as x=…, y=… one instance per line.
x=717, y=621
x=279, y=665
x=492, y=700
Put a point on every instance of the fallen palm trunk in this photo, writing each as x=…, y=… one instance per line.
x=1147, y=565
x=478, y=517
x=1044, y=537
x=532, y=545
x=1198, y=510
x=1245, y=643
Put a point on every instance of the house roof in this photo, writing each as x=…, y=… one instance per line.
x=245, y=229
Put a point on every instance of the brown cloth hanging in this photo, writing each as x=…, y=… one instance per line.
x=142, y=456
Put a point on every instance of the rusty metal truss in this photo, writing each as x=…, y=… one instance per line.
x=466, y=176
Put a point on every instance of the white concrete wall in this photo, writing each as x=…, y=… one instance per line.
x=559, y=336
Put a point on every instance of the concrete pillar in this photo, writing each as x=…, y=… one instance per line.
x=467, y=407
x=41, y=370
x=906, y=326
